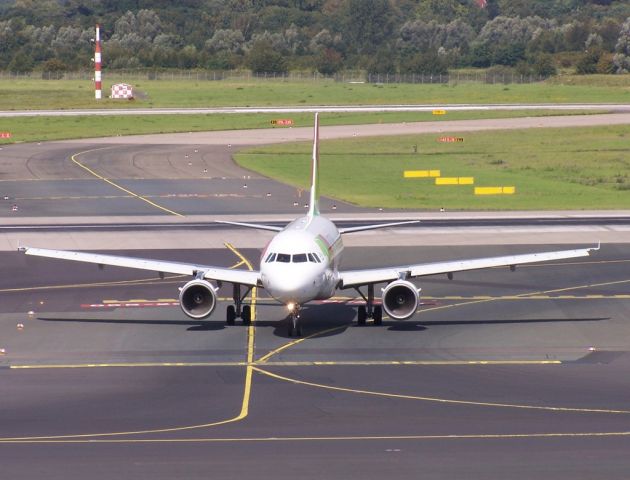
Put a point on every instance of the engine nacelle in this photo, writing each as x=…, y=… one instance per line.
x=400, y=299
x=198, y=298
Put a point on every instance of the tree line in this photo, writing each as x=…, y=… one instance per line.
x=326, y=36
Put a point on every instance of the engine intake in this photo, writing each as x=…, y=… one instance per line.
x=400, y=299
x=198, y=298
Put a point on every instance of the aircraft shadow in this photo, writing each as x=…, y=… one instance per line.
x=194, y=325
x=419, y=326
x=330, y=320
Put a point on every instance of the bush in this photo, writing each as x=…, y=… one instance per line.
x=53, y=69
x=587, y=64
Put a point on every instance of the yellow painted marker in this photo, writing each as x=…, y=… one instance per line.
x=455, y=181
x=495, y=190
x=421, y=173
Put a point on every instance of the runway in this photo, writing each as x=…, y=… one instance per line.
x=500, y=372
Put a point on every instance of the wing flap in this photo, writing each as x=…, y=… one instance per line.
x=244, y=277
x=354, y=278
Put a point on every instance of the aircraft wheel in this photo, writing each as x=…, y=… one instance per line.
x=361, y=315
x=290, y=330
x=247, y=315
x=230, y=315
x=378, y=315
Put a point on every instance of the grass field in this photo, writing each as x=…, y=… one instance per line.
x=38, y=129
x=581, y=168
x=64, y=94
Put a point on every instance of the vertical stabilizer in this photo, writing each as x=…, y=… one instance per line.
x=314, y=200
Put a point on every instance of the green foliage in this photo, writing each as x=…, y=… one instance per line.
x=264, y=59
x=222, y=33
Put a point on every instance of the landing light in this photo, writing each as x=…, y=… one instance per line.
x=290, y=306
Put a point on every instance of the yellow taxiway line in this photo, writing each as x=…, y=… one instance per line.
x=113, y=184
x=341, y=438
x=437, y=400
x=244, y=410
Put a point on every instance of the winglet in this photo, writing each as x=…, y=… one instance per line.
x=314, y=200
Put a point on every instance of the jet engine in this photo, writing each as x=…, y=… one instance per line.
x=401, y=299
x=198, y=298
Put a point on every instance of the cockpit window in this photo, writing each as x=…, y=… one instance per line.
x=271, y=257
x=299, y=258
x=283, y=258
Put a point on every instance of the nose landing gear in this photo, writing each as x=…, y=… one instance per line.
x=295, y=327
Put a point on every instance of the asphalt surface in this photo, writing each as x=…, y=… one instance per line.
x=501, y=374
x=59, y=179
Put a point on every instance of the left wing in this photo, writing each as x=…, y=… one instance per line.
x=256, y=226
x=243, y=277
x=356, y=278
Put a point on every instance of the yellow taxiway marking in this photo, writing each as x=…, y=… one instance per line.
x=344, y=438
x=241, y=415
x=438, y=400
x=524, y=296
x=106, y=180
x=145, y=281
x=251, y=331
x=306, y=363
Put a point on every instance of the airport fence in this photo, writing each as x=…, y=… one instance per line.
x=247, y=76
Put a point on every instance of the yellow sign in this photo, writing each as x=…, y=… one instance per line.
x=421, y=173
x=455, y=181
x=439, y=112
x=495, y=190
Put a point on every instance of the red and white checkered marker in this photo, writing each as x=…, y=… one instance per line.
x=122, y=90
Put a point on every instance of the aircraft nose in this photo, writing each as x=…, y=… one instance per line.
x=296, y=288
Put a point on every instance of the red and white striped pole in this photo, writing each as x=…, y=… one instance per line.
x=98, y=90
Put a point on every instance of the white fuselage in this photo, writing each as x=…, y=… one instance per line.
x=300, y=263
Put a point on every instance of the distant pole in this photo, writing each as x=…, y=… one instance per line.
x=98, y=90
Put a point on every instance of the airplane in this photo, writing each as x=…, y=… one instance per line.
x=301, y=264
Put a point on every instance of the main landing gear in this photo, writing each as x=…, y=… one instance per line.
x=369, y=310
x=295, y=327
x=238, y=309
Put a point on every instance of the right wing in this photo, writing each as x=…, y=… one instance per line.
x=374, y=227
x=356, y=278
x=243, y=277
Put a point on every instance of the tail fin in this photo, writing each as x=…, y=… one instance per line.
x=314, y=200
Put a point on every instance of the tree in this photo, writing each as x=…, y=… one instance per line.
x=262, y=58
x=367, y=24
x=430, y=63
x=329, y=62
x=621, y=59
x=21, y=63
